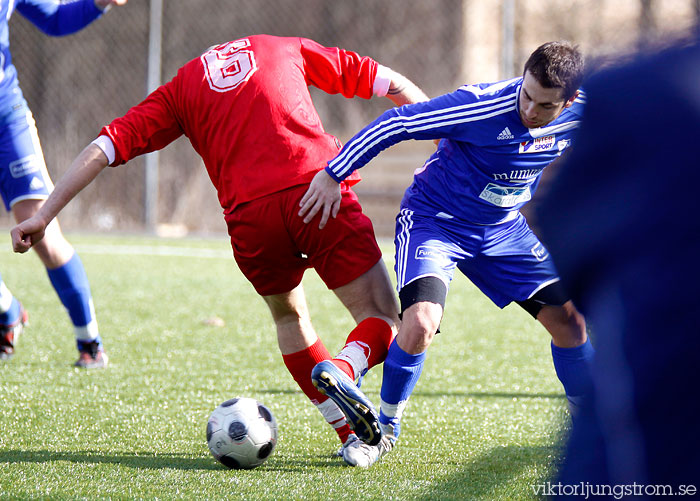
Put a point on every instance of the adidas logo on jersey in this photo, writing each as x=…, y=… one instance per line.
x=36, y=184
x=505, y=134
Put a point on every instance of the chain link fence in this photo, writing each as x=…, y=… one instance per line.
x=76, y=84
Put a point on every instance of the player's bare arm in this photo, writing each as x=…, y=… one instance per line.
x=403, y=91
x=322, y=196
x=87, y=165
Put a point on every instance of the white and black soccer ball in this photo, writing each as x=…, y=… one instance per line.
x=241, y=433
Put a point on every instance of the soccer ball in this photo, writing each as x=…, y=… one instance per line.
x=241, y=433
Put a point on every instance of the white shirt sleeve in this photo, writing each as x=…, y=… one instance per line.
x=105, y=144
x=382, y=81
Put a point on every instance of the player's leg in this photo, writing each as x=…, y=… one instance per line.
x=515, y=266
x=68, y=278
x=275, y=266
x=572, y=351
x=346, y=256
x=13, y=318
x=25, y=185
x=371, y=301
x=402, y=368
x=422, y=287
x=301, y=350
x=422, y=304
x=425, y=262
x=14, y=183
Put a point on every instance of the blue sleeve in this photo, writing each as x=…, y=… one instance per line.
x=448, y=116
x=56, y=18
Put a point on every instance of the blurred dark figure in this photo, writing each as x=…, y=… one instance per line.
x=621, y=220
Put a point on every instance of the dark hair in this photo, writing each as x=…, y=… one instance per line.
x=557, y=64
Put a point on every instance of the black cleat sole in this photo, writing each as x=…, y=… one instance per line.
x=362, y=419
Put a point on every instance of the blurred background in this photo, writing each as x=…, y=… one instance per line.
x=77, y=84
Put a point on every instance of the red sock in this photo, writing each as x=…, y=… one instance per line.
x=345, y=367
x=371, y=339
x=300, y=363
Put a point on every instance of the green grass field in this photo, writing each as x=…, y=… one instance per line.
x=484, y=422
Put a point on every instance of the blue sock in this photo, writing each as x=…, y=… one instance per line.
x=10, y=316
x=9, y=306
x=72, y=286
x=573, y=367
x=401, y=373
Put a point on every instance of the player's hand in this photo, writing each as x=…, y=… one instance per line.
x=322, y=196
x=103, y=4
x=27, y=233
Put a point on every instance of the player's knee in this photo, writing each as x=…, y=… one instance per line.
x=422, y=304
x=24, y=209
x=574, y=317
x=565, y=323
x=285, y=308
x=54, y=250
x=575, y=323
x=419, y=326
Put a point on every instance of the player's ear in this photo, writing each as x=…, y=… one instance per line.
x=571, y=100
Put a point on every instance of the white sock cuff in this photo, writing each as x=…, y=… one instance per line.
x=87, y=332
x=393, y=411
x=354, y=354
x=332, y=413
x=5, y=298
x=90, y=331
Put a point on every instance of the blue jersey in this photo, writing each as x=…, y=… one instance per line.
x=487, y=165
x=53, y=17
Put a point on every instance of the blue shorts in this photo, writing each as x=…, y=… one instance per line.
x=506, y=261
x=23, y=173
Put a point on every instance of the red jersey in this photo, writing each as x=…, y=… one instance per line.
x=246, y=109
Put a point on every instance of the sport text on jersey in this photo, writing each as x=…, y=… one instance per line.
x=539, y=144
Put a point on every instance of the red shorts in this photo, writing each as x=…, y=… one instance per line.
x=273, y=247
